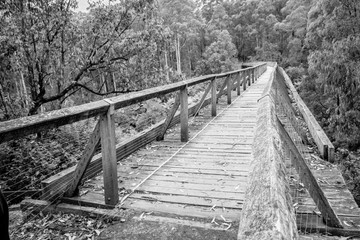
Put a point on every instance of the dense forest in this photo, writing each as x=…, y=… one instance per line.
x=53, y=57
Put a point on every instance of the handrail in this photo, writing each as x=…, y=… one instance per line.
x=267, y=212
x=20, y=127
x=104, y=132
x=323, y=143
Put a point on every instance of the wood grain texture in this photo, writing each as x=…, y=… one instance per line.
x=267, y=211
x=109, y=163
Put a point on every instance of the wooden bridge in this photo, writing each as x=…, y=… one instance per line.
x=239, y=164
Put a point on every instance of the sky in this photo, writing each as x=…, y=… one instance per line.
x=82, y=5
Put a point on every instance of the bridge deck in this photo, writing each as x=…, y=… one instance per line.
x=204, y=178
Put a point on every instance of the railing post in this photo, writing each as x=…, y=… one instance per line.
x=243, y=75
x=184, y=114
x=213, y=97
x=238, y=84
x=249, y=77
x=253, y=75
x=108, y=151
x=229, y=88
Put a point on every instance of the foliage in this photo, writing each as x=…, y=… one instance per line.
x=59, y=53
x=218, y=57
x=58, y=226
x=334, y=40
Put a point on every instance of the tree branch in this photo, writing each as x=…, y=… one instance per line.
x=104, y=94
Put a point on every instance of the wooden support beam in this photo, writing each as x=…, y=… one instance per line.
x=248, y=78
x=213, y=97
x=169, y=117
x=238, y=83
x=309, y=181
x=220, y=93
x=108, y=151
x=184, y=117
x=253, y=75
x=229, y=88
x=84, y=162
x=203, y=99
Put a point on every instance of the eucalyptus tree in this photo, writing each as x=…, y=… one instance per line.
x=60, y=52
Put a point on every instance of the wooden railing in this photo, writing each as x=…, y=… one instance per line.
x=268, y=212
x=104, y=132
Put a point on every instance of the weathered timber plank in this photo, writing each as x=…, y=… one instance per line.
x=192, y=192
x=84, y=162
x=201, y=168
x=108, y=151
x=232, y=180
x=267, y=212
x=322, y=141
x=183, y=185
x=169, y=117
x=194, y=178
x=183, y=210
x=194, y=201
x=184, y=115
x=213, y=97
x=37, y=206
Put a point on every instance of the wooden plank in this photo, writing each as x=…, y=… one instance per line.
x=267, y=194
x=37, y=206
x=171, y=169
x=244, y=83
x=192, y=201
x=184, y=185
x=182, y=210
x=216, y=169
x=239, y=196
x=109, y=163
x=84, y=162
x=322, y=141
x=191, y=177
x=184, y=115
x=238, y=84
x=169, y=117
x=213, y=97
x=309, y=181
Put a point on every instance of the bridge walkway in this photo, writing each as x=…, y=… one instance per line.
x=204, y=178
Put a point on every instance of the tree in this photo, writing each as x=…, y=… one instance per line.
x=219, y=56
x=333, y=38
x=60, y=53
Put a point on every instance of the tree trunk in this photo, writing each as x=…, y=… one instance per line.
x=178, y=59
x=23, y=89
x=167, y=67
